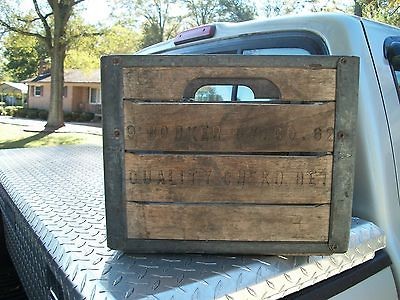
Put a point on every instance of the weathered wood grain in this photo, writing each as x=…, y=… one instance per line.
x=169, y=83
x=229, y=127
x=228, y=222
x=228, y=179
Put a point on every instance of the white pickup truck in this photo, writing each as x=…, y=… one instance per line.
x=377, y=175
x=55, y=221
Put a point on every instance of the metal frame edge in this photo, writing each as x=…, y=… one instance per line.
x=344, y=153
x=113, y=150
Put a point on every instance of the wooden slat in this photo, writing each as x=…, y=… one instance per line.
x=228, y=222
x=169, y=83
x=229, y=127
x=228, y=179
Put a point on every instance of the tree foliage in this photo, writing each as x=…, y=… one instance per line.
x=283, y=7
x=22, y=55
x=236, y=10
x=86, y=51
x=155, y=18
x=387, y=11
x=49, y=24
x=160, y=20
x=205, y=11
x=201, y=11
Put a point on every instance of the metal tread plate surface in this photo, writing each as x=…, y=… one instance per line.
x=53, y=205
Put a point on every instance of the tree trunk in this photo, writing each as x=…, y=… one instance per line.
x=61, y=12
x=56, y=114
x=357, y=8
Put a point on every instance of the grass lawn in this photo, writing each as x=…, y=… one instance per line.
x=13, y=136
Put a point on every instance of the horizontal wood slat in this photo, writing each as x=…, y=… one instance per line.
x=229, y=127
x=228, y=222
x=169, y=83
x=228, y=178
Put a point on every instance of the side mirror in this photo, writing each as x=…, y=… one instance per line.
x=391, y=50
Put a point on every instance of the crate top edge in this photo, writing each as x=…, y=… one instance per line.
x=227, y=60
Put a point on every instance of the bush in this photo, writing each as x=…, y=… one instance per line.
x=11, y=110
x=75, y=116
x=67, y=116
x=43, y=114
x=2, y=104
x=86, y=117
x=32, y=113
x=21, y=113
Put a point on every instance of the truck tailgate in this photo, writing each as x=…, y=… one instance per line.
x=52, y=201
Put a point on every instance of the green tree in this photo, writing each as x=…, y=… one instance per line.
x=50, y=26
x=201, y=11
x=119, y=39
x=81, y=51
x=205, y=11
x=236, y=10
x=283, y=7
x=154, y=18
x=86, y=51
x=386, y=11
x=22, y=55
x=159, y=24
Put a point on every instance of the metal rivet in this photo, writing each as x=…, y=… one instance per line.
x=333, y=247
x=117, y=133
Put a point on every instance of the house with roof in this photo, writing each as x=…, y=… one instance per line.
x=13, y=93
x=81, y=91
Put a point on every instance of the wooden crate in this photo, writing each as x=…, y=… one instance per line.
x=261, y=177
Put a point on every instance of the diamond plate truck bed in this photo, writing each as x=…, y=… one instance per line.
x=52, y=202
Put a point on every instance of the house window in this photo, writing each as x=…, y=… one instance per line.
x=94, y=96
x=38, y=91
x=65, y=91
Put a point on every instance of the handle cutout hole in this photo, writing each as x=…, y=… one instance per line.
x=231, y=89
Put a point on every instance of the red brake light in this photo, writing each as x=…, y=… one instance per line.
x=195, y=34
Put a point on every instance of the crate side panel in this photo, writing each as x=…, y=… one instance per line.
x=233, y=127
x=228, y=178
x=228, y=222
x=169, y=83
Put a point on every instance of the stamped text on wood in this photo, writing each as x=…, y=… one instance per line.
x=233, y=127
x=228, y=179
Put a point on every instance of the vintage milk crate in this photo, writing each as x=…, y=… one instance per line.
x=270, y=176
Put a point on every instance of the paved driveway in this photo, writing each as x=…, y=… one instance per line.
x=38, y=125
